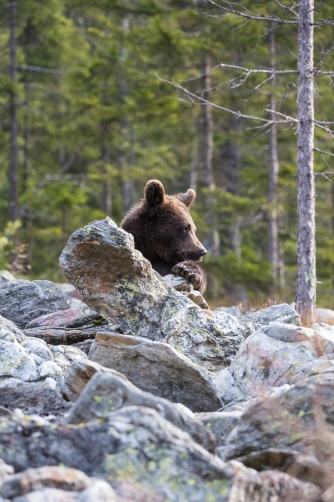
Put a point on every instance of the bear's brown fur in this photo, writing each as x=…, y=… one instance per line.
x=165, y=233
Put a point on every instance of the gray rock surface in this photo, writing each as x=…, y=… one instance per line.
x=79, y=374
x=69, y=318
x=220, y=423
x=157, y=368
x=62, y=336
x=106, y=392
x=21, y=301
x=5, y=471
x=144, y=457
x=33, y=398
x=56, y=484
x=304, y=467
x=282, y=313
x=271, y=356
x=119, y=283
x=6, y=276
x=31, y=359
x=299, y=419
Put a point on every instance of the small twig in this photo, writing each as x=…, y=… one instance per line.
x=248, y=16
x=40, y=69
x=325, y=153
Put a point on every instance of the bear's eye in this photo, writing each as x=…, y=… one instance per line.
x=187, y=228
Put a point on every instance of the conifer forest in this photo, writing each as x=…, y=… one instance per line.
x=98, y=97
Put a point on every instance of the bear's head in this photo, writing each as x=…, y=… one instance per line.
x=162, y=226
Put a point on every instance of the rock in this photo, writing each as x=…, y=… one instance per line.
x=73, y=299
x=303, y=467
x=235, y=311
x=197, y=298
x=15, y=361
x=179, y=283
x=62, y=336
x=145, y=457
x=324, y=315
x=186, y=288
x=6, y=276
x=119, y=283
x=33, y=398
x=70, y=318
x=79, y=374
x=271, y=356
x=85, y=346
x=5, y=471
x=157, y=368
x=21, y=301
x=228, y=389
x=298, y=419
x=56, y=484
x=282, y=313
x=63, y=357
x=106, y=392
x=220, y=423
x=31, y=359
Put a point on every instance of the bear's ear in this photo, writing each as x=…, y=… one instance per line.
x=188, y=197
x=154, y=193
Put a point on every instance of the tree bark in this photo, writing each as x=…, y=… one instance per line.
x=306, y=264
x=12, y=173
x=273, y=253
x=207, y=153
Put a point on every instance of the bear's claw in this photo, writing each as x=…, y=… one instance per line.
x=192, y=272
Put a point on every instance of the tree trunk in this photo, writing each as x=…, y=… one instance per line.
x=106, y=183
x=207, y=155
x=12, y=174
x=306, y=264
x=273, y=254
x=193, y=165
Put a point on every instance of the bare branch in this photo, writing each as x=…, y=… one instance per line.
x=325, y=153
x=40, y=69
x=247, y=15
x=289, y=119
x=194, y=98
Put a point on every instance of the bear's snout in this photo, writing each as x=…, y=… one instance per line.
x=202, y=252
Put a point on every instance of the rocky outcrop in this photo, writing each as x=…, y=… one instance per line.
x=143, y=457
x=119, y=283
x=298, y=418
x=107, y=392
x=157, y=368
x=21, y=301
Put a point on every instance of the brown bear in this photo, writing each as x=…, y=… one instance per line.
x=165, y=234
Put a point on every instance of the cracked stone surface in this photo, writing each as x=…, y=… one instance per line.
x=119, y=283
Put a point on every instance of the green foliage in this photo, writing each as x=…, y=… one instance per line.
x=97, y=120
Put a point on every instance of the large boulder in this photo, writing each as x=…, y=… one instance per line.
x=273, y=355
x=107, y=392
x=21, y=301
x=143, y=457
x=115, y=279
x=157, y=368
